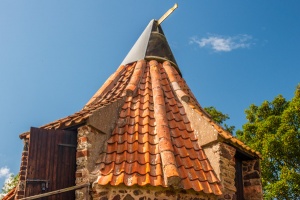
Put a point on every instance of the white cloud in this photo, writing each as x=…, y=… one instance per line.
x=223, y=43
x=4, y=172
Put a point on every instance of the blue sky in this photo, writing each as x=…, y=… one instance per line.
x=55, y=54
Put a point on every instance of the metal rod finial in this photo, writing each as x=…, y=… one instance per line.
x=167, y=14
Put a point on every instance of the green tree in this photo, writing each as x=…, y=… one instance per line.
x=9, y=184
x=220, y=118
x=273, y=128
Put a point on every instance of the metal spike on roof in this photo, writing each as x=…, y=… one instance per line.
x=169, y=12
x=152, y=44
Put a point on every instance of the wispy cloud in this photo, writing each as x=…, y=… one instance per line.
x=223, y=43
x=4, y=172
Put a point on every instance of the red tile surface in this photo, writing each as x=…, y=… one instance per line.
x=10, y=195
x=153, y=133
x=153, y=139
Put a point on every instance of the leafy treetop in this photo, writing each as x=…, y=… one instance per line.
x=220, y=118
x=273, y=128
x=9, y=184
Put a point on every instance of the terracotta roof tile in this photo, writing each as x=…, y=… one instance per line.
x=10, y=195
x=153, y=141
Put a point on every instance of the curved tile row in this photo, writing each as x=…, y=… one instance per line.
x=183, y=152
x=135, y=128
x=129, y=157
x=135, y=146
x=201, y=186
x=131, y=168
x=131, y=179
x=141, y=138
x=200, y=175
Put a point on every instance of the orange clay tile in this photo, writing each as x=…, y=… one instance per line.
x=152, y=140
x=135, y=79
x=10, y=195
x=165, y=144
x=106, y=84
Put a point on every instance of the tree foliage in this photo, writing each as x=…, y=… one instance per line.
x=219, y=117
x=273, y=128
x=9, y=184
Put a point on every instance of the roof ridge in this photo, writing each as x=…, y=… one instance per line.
x=224, y=134
x=171, y=174
x=110, y=82
x=193, y=103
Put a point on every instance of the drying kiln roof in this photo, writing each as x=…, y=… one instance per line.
x=114, y=88
x=153, y=141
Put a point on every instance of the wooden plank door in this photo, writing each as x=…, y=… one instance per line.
x=51, y=162
x=239, y=183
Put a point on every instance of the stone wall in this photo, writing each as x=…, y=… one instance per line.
x=252, y=180
x=146, y=193
x=90, y=152
x=20, y=191
x=221, y=157
x=227, y=170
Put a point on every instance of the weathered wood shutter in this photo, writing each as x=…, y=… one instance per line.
x=51, y=162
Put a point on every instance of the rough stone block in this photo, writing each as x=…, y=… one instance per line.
x=253, y=175
x=226, y=154
x=255, y=181
x=82, y=153
x=25, y=153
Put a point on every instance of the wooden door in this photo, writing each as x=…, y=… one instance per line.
x=239, y=183
x=51, y=162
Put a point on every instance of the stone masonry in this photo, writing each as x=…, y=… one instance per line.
x=252, y=180
x=123, y=192
x=91, y=144
x=221, y=157
x=227, y=170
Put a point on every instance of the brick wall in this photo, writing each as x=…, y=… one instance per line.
x=90, y=152
x=22, y=174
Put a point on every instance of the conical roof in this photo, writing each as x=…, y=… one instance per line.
x=152, y=44
x=152, y=141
